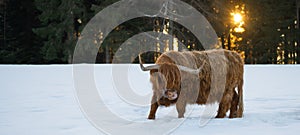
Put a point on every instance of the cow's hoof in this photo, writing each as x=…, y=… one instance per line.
x=150, y=117
x=219, y=116
x=239, y=115
x=233, y=116
x=180, y=116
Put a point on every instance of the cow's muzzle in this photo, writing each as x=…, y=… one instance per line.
x=170, y=94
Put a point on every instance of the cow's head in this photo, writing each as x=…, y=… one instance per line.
x=166, y=79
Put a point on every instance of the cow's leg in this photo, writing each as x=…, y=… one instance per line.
x=154, y=106
x=234, y=105
x=241, y=100
x=224, y=104
x=180, y=109
x=180, y=106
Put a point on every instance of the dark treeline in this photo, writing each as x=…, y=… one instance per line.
x=46, y=31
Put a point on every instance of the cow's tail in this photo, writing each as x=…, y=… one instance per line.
x=241, y=100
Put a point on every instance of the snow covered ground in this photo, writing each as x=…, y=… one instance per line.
x=41, y=100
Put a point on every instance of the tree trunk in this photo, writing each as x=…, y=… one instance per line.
x=229, y=42
x=223, y=41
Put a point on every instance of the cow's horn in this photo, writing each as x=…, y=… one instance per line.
x=148, y=67
x=190, y=70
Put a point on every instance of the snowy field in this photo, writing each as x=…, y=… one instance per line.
x=41, y=100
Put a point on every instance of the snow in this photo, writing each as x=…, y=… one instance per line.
x=42, y=99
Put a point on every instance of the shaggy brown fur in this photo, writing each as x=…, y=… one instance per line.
x=221, y=73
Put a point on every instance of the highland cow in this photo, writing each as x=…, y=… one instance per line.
x=197, y=77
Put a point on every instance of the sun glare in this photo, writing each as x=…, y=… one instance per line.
x=237, y=18
x=238, y=21
x=239, y=30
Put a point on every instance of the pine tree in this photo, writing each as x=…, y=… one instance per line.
x=62, y=22
x=18, y=43
x=264, y=29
